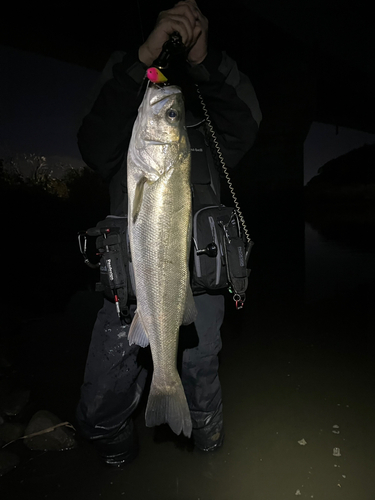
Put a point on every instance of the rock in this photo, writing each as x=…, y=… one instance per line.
x=10, y=432
x=7, y=462
x=15, y=402
x=59, y=439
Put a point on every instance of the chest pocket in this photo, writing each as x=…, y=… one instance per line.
x=200, y=172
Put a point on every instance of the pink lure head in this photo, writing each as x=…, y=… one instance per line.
x=155, y=76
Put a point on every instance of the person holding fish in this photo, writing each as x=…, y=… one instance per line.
x=152, y=151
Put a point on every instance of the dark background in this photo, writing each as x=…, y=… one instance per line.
x=332, y=46
x=308, y=61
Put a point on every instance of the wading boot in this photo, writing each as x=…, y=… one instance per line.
x=121, y=449
x=210, y=437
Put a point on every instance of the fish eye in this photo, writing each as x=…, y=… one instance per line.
x=172, y=115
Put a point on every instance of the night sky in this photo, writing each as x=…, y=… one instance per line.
x=42, y=101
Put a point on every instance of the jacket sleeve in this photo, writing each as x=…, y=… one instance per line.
x=231, y=102
x=105, y=132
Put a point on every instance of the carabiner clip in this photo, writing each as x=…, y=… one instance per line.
x=239, y=300
x=82, y=243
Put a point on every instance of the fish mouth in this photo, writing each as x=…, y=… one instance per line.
x=154, y=142
x=151, y=142
x=164, y=94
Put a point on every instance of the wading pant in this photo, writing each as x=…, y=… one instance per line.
x=115, y=375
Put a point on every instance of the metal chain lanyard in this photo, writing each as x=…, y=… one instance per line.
x=224, y=167
x=174, y=47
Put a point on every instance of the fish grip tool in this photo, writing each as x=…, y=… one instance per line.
x=115, y=262
x=172, y=51
x=170, y=65
x=232, y=236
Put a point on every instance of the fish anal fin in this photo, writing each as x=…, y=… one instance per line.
x=137, y=333
x=190, y=312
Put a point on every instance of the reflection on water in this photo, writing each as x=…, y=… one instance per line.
x=332, y=268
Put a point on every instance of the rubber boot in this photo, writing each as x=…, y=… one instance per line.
x=121, y=449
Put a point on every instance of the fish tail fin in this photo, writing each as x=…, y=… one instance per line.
x=168, y=405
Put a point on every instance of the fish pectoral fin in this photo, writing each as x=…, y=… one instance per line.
x=190, y=312
x=138, y=197
x=137, y=333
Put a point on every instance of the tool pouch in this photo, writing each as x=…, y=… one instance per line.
x=220, y=251
x=115, y=267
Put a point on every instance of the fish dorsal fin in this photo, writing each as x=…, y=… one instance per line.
x=137, y=333
x=138, y=197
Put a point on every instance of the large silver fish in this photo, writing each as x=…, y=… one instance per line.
x=160, y=234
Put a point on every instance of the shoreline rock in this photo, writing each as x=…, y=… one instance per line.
x=59, y=439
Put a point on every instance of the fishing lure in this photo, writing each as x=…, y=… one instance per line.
x=156, y=76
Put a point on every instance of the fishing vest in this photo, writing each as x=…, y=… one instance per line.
x=205, y=179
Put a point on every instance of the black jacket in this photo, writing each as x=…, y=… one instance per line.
x=104, y=135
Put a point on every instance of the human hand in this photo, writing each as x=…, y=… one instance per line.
x=186, y=18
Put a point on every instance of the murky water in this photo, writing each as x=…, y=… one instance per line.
x=333, y=268
x=298, y=393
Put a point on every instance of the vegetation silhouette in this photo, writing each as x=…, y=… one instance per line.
x=43, y=217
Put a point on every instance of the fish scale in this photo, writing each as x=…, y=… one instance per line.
x=160, y=235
